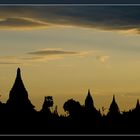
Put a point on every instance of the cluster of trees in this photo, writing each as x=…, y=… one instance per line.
x=18, y=116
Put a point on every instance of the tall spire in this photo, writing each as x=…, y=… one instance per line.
x=18, y=73
x=113, y=98
x=89, y=101
x=18, y=97
x=89, y=92
x=90, y=109
x=18, y=86
x=138, y=104
x=113, y=107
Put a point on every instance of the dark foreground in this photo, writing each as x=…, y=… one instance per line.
x=18, y=116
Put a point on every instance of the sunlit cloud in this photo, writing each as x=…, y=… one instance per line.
x=21, y=23
x=55, y=54
x=49, y=54
x=129, y=31
x=103, y=59
x=46, y=55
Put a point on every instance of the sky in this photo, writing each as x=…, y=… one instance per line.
x=65, y=50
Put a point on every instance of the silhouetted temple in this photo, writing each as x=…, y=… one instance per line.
x=114, y=109
x=90, y=109
x=89, y=104
x=18, y=118
x=137, y=105
x=137, y=108
x=18, y=98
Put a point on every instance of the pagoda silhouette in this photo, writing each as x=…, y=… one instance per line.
x=18, y=101
x=18, y=115
x=114, y=108
x=89, y=103
x=136, y=110
x=90, y=109
x=137, y=105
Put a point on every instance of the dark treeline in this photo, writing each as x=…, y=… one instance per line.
x=18, y=116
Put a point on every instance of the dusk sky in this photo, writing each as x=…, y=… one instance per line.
x=65, y=50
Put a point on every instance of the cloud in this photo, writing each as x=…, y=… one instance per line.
x=102, y=59
x=21, y=23
x=8, y=63
x=41, y=58
x=102, y=17
x=50, y=54
x=45, y=55
x=6, y=60
x=47, y=52
x=24, y=59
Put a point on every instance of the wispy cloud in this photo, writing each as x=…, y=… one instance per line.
x=9, y=60
x=45, y=55
x=50, y=54
x=21, y=23
x=8, y=63
x=58, y=53
x=47, y=52
x=103, y=17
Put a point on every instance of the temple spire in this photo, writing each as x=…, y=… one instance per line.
x=114, y=98
x=113, y=109
x=89, y=104
x=89, y=92
x=138, y=104
x=18, y=97
x=18, y=84
x=18, y=72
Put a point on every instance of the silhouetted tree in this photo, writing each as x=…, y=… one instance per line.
x=48, y=102
x=55, y=111
x=73, y=108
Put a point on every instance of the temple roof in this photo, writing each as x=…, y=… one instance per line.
x=137, y=105
x=114, y=106
x=18, y=86
x=18, y=97
x=89, y=103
